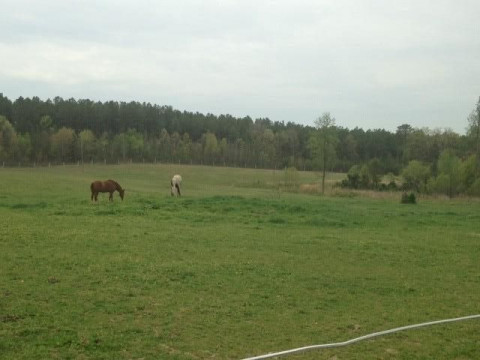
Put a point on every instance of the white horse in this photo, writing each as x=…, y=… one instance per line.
x=175, y=183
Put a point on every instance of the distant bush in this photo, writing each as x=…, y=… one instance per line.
x=392, y=186
x=353, y=178
x=474, y=189
x=408, y=198
x=361, y=177
x=416, y=176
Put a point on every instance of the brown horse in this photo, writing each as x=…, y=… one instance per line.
x=109, y=186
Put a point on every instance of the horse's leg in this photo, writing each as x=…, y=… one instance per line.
x=111, y=196
x=178, y=189
x=96, y=196
x=91, y=197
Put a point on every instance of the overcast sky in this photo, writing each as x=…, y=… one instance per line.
x=371, y=64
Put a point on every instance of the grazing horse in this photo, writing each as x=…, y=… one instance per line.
x=175, y=183
x=109, y=186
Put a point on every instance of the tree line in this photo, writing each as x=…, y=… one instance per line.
x=35, y=131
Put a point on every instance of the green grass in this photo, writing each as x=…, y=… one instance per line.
x=236, y=267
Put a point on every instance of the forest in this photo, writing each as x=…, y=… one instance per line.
x=36, y=132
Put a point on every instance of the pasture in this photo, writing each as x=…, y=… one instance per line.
x=236, y=267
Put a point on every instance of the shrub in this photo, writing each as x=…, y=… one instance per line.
x=353, y=178
x=474, y=189
x=408, y=198
x=443, y=184
x=416, y=175
x=392, y=186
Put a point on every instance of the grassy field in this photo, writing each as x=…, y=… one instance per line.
x=236, y=267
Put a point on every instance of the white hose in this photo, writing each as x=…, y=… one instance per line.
x=361, y=338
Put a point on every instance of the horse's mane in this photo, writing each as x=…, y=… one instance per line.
x=116, y=184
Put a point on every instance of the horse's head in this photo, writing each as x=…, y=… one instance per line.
x=122, y=193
